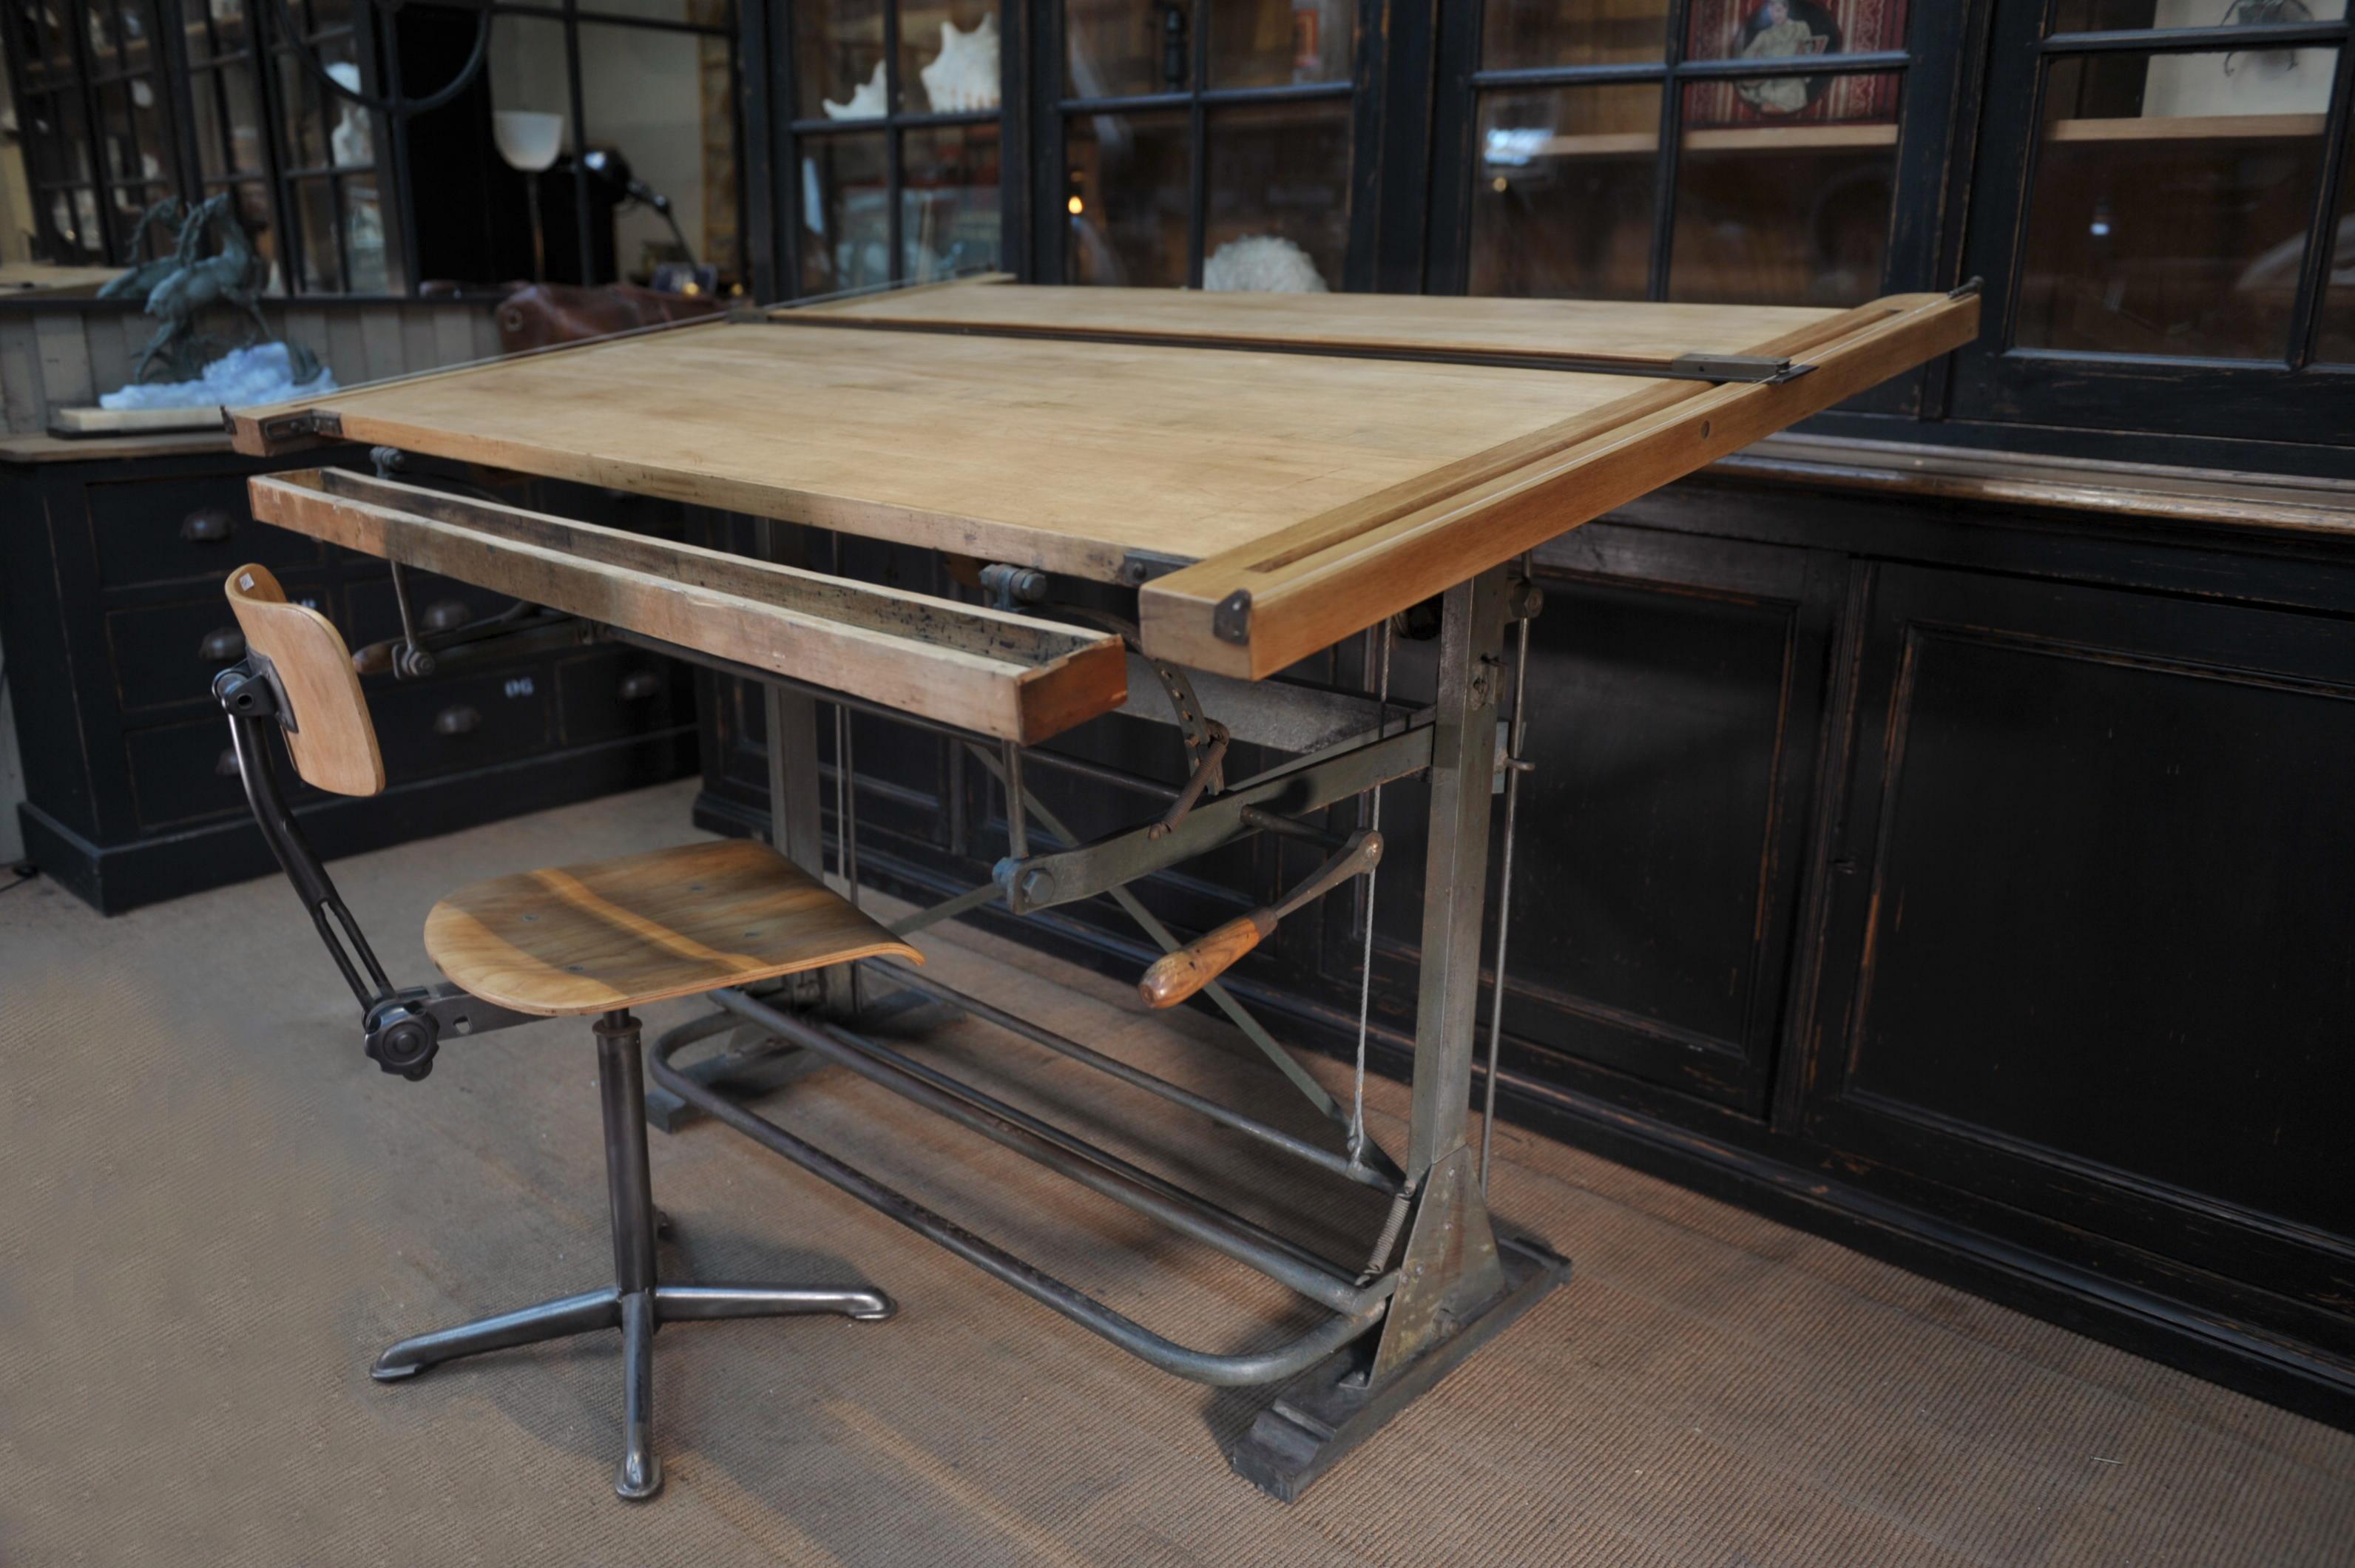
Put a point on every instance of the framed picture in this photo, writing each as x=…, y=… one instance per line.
x=1792, y=30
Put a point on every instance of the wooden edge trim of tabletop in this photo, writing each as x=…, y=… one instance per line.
x=1320, y=581
x=1000, y=697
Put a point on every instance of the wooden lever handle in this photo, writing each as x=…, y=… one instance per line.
x=1178, y=975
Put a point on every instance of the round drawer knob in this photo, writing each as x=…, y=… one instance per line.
x=638, y=684
x=226, y=763
x=206, y=524
x=443, y=615
x=460, y=720
x=222, y=645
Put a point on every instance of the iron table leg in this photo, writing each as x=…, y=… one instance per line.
x=1455, y=1289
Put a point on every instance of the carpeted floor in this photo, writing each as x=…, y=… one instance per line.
x=217, y=1212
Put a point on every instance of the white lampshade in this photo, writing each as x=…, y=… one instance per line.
x=528, y=142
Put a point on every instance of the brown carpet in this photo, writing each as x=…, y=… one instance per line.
x=217, y=1212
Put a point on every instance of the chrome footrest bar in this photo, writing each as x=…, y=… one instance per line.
x=1240, y=1369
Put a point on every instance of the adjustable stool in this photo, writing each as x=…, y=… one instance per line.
x=568, y=941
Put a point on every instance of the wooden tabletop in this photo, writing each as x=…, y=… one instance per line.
x=1327, y=482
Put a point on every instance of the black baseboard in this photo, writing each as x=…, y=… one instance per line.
x=2072, y=1293
x=113, y=877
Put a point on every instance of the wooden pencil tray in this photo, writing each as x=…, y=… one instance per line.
x=1007, y=677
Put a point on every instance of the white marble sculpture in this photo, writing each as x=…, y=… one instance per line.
x=865, y=103
x=964, y=78
x=1261, y=263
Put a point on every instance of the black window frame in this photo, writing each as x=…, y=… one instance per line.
x=1365, y=88
x=1929, y=65
x=177, y=81
x=1999, y=383
x=738, y=27
x=790, y=127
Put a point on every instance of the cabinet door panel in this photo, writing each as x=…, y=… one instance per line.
x=2090, y=914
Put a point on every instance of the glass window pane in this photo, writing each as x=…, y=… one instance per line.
x=55, y=141
x=117, y=144
x=1115, y=49
x=949, y=218
x=2170, y=203
x=2102, y=16
x=45, y=21
x=151, y=127
x=1126, y=199
x=1786, y=29
x=1785, y=206
x=1563, y=193
x=1279, y=196
x=1522, y=35
x=364, y=240
x=74, y=214
x=230, y=27
x=665, y=102
x=314, y=212
x=99, y=35
x=236, y=146
x=260, y=226
x=2335, y=330
x=704, y=12
x=838, y=53
x=845, y=213
x=1268, y=43
x=314, y=126
x=949, y=57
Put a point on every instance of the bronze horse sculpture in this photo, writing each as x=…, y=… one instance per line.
x=193, y=282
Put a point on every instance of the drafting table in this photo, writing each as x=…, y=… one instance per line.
x=1271, y=475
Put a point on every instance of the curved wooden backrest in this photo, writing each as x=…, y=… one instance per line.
x=331, y=739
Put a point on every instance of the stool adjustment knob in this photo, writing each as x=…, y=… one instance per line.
x=401, y=1038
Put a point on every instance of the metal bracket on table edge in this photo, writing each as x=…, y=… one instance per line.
x=1749, y=368
x=1231, y=622
x=308, y=421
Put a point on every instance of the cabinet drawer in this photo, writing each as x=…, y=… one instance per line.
x=447, y=726
x=168, y=654
x=439, y=604
x=181, y=773
x=159, y=530
x=625, y=691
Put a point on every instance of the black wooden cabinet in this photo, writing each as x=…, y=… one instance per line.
x=111, y=605
x=1971, y=883
x=2087, y=947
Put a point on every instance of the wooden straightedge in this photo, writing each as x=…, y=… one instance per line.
x=1007, y=677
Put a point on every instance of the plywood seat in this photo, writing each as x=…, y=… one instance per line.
x=610, y=934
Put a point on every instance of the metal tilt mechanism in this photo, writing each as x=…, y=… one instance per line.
x=1438, y=1281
